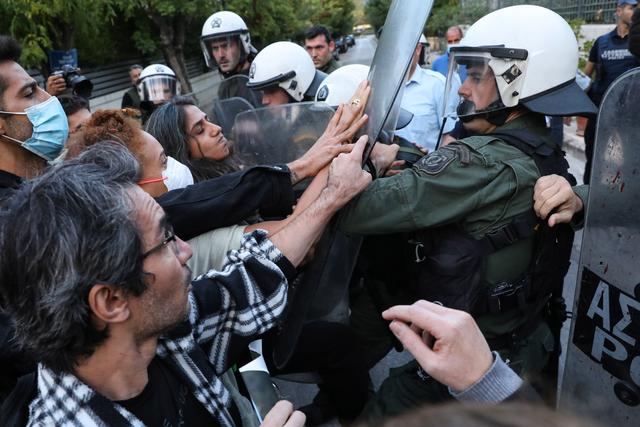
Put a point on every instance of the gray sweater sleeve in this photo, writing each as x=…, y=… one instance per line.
x=497, y=384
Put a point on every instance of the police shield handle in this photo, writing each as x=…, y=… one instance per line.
x=454, y=352
x=553, y=195
x=283, y=415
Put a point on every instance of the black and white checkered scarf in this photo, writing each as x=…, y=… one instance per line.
x=229, y=308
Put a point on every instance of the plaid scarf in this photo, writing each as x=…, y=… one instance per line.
x=229, y=308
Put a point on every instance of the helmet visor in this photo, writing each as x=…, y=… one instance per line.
x=224, y=52
x=479, y=93
x=157, y=89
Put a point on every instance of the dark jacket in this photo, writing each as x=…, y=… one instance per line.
x=13, y=364
x=229, y=199
x=131, y=99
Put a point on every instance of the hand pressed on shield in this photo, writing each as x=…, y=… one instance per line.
x=283, y=415
x=336, y=138
x=353, y=110
x=445, y=342
x=346, y=177
x=55, y=85
x=554, y=192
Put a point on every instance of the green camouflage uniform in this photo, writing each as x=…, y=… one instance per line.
x=331, y=66
x=479, y=183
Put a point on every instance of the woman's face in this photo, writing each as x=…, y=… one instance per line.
x=205, y=139
x=153, y=163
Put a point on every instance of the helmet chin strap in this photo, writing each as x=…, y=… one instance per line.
x=496, y=117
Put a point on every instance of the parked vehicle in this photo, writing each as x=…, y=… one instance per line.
x=350, y=40
x=341, y=45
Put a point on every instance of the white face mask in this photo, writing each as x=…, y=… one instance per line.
x=178, y=175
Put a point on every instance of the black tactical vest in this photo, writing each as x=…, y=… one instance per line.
x=447, y=264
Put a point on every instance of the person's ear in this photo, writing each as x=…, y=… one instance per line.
x=109, y=303
x=332, y=45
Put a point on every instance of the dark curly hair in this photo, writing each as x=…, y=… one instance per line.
x=115, y=125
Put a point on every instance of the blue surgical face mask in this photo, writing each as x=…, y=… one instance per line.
x=50, y=129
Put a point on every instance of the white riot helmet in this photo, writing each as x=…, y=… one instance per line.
x=157, y=84
x=286, y=65
x=340, y=85
x=223, y=26
x=532, y=55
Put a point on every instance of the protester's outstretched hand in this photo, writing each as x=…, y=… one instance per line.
x=445, y=342
x=283, y=415
x=55, y=85
x=337, y=136
x=346, y=176
x=554, y=192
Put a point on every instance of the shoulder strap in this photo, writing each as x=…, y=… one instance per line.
x=549, y=159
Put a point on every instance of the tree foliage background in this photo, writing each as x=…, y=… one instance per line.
x=108, y=31
x=444, y=14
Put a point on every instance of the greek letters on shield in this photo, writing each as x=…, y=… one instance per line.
x=607, y=327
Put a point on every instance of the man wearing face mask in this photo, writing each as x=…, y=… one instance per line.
x=474, y=242
x=33, y=130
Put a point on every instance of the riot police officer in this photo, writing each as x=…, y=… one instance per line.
x=157, y=84
x=284, y=73
x=472, y=236
x=226, y=45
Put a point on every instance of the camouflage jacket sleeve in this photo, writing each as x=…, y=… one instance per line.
x=582, y=191
x=479, y=182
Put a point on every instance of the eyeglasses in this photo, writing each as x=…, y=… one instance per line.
x=169, y=236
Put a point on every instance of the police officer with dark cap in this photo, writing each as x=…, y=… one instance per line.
x=472, y=240
x=609, y=58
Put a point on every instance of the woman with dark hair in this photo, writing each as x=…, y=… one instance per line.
x=189, y=137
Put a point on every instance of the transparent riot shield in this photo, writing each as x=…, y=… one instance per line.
x=402, y=29
x=602, y=371
x=236, y=87
x=224, y=112
x=325, y=281
x=279, y=134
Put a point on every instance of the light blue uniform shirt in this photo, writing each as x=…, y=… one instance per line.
x=441, y=65
x=424, y=97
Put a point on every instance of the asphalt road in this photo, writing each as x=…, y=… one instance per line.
x=361, y=53
x=302, y=394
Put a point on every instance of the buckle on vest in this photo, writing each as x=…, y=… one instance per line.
x=502, y=237
x=506, y=296
x=418, y=246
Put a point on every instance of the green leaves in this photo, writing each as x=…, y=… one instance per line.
x=107, y=31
